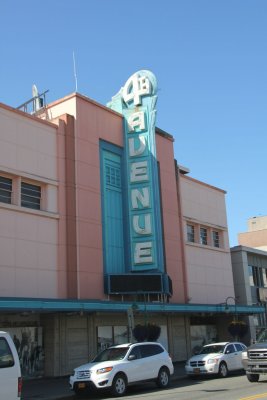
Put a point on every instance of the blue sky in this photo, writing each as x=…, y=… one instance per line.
x=210, y=60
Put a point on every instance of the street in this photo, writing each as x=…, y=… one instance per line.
x=234, y=387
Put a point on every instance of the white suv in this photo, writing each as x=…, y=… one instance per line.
x=119, y=366
x=10, y=373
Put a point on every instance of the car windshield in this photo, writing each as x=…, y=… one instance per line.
x=262, y=336
x=217, y=348
x=111, y=354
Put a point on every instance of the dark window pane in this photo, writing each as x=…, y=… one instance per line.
x=30, y=196
x=190, y=233
x=5, y=190
x=216, y=238
x=6, y=357
x=203, y=236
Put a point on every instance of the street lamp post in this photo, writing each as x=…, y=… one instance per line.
x=227, y=308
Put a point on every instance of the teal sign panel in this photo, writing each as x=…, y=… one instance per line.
x=137, y=102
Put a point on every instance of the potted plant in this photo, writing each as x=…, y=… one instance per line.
x=237, y=328
x=148, y=332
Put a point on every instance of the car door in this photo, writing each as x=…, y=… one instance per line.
x=151, y=357
x=134, y=366
x=231, y=357
x=239, y=348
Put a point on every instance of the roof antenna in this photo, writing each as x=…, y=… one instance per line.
x=75, y=75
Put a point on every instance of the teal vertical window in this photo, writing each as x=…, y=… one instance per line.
x=112, y=212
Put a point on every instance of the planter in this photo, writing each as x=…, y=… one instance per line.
x=238, y=328
x=146, y=333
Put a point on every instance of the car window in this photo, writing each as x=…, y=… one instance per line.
x=239, y=347
x=6, y=356
x=212, y=349
x=230, y=349
x=135, y=351
x=149, y=350
x=111, y=354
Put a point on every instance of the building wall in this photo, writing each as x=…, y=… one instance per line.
x=28, y=238
x=71, y=340
x=209, y=271
x=250, y=280
x=94, y=123
x=256, y=236
x=172, y=222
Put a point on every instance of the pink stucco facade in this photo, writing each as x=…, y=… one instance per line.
x=209, y=269
x=92, y=122
x=29, y=238
x=57, y=252
x=53, y=269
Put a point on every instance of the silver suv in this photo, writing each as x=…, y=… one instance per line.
x=119, y=366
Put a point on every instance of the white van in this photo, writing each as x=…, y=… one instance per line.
x=10, y=373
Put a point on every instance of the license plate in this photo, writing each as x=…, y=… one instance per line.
x=196, y=370
x=81, y=385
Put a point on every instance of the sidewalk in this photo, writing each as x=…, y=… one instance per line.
x=58, y=388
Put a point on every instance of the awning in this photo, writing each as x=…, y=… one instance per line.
x=89, y=306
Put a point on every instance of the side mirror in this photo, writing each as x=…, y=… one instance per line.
x=132, y=357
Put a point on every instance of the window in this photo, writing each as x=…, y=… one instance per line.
x=203, y=236
x=108, y=335
x=264, y=276
x=239, y=347
x=230, y=349
x=30, y=196
x=136, y=352
x=6, y=357
x=5, y=190
x=216, y=238
x=252, y=276
x=113, y=176
x=190, y=233
x=255, y=276
x=149, y=350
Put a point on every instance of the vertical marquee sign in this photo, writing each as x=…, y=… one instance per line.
x=137, y=101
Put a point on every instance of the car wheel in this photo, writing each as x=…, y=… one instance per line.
x=253, y=377
x=163, y=379
x=119, y=385
x=223, y=370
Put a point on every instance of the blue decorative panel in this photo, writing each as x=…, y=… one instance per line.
x=112, y=206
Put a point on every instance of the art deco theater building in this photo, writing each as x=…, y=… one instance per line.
x=101, y=229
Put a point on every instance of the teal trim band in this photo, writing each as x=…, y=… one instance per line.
x=48, y=305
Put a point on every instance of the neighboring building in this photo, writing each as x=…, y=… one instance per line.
x=208, y=260
x=250, y=278
x=256, y=236
x=100, y=226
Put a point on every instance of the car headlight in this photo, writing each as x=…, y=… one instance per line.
x=244, y=355
x=213, y=361
x=104, y=370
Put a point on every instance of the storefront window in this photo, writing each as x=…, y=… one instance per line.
x=201, y=335
x=120, y=334
x=29, y=345
x=104, y=337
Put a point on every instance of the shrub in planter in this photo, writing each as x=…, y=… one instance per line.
x=153, y=332
x=140, y=333
x=149, y=332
